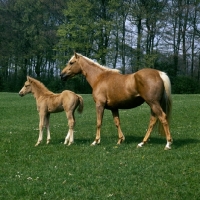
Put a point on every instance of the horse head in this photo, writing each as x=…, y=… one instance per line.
x=72, y=68
x=26, y=88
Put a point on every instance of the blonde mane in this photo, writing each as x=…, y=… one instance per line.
x=39, y=85
x=98, y=65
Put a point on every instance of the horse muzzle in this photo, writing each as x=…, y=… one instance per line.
x=21, y=94
x=64, y=76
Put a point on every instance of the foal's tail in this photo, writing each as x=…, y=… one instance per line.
x=166, y=101
x=80, y=106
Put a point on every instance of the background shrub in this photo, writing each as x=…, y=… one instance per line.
x=185, y=85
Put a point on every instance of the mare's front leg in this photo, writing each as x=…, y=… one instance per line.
x=71, y=121
x=99, y=111
x=115, y=114
x=41, y=126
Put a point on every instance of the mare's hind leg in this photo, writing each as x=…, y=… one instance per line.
x=165, y=124
x=153, y=120
x=163, y=120
x=115, y=114
x=71, y=121
x=41, y=127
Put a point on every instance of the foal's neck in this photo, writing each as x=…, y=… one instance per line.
x=39, y=90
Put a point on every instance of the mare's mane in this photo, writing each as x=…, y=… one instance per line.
x=98, y=65
x=39, y=85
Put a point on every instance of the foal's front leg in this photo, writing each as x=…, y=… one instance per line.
x=99, y=111
x=41, y=127
x=115, y=114
x=47, y=127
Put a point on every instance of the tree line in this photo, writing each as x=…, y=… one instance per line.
x=38, y=37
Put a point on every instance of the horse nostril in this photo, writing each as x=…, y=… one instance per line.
x=62, y=76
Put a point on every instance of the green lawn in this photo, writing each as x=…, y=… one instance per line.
x=106, y=171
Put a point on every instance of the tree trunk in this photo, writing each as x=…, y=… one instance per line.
x=184, y=27
x=139, y=36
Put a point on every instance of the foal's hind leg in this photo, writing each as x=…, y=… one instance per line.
x=71, y=121
x=153, y=120
x=115, y=114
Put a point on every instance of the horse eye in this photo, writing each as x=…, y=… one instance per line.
x=71, y=63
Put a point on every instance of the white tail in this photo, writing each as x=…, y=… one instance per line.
x=167, y=83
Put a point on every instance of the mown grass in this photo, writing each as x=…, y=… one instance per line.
x=106, y=171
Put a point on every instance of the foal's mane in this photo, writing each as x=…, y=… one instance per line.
x=98, y=65
x=39, y=85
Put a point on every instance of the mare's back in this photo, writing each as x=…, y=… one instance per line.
x=112, y=78
x=111, y=84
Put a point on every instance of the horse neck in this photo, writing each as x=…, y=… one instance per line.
x=91, y=71
x=38, y=90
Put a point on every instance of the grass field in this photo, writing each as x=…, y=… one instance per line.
x=106, y=171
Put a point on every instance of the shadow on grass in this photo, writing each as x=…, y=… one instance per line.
x=76, y=141
x=83, y=141
x=177, y=143
x=152, y=140
x=184, y=142
x=133, y=139
x=130, y=139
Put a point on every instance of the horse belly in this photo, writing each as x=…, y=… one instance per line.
x=125, y=103
x=54, y=107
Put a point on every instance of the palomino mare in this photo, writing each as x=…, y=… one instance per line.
x=48, y=102
x=113, y=91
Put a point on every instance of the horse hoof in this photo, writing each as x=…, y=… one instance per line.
x=120, y=141
x=167, y=148
x=168, y=145
x=65, y=142
x=140, y=145
x=93, y=144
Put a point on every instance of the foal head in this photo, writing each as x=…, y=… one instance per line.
x=26, y=88
x=72, y=68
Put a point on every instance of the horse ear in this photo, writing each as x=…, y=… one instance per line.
x=76, y=55
x=29, y=78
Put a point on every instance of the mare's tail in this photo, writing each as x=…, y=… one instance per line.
x=166, y=101
x=80, y=106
